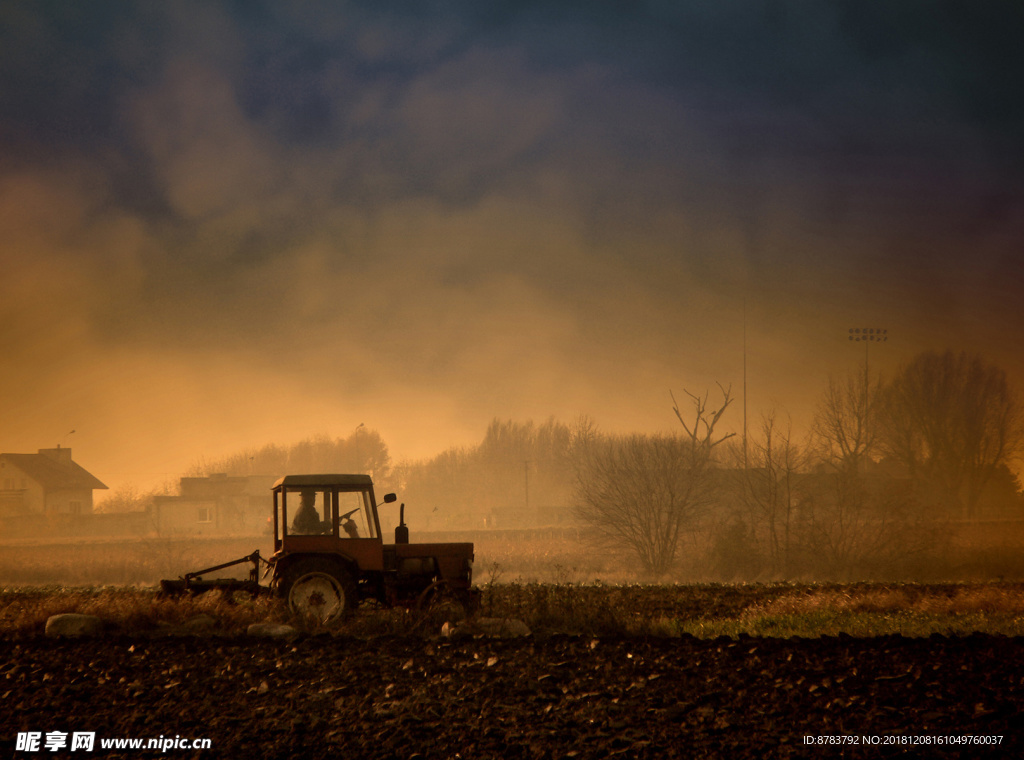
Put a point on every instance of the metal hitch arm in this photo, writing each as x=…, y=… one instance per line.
x=193, y=582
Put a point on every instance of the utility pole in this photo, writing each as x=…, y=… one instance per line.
x=354, y=437
x=867, y=335
x=744, y=383
x=526, y=472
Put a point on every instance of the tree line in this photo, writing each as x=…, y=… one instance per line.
x=363, y=450
x=517, y=467
x=868, y=491
x=886, y=466
x=886, y=463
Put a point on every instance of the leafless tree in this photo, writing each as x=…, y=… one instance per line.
x=641, y=492
x=953, y=420
x=852, y=516
x=769, y=491
x=845, y=427
x=125, y=498
x=702, y=434
x=851, y=527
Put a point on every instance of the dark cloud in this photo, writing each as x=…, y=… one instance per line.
x=239, y=221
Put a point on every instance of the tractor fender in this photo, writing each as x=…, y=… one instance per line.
x=343, y=561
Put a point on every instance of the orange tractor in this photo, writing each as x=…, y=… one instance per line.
x=329, y=555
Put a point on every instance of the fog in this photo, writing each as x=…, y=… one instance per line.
x=225, y=227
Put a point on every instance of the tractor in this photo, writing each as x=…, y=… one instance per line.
x=329, y=555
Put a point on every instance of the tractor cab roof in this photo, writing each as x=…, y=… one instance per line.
x=341, y=482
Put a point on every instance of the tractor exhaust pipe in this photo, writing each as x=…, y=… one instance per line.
x=402, y=531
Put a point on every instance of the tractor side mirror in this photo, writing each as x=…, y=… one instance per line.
x=389, y=497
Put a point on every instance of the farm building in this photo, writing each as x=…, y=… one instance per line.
x=217, y=505
x=47, y=483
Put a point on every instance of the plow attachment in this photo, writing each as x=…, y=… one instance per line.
x=194, y=583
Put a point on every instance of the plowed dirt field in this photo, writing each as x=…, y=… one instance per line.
x=536, y=697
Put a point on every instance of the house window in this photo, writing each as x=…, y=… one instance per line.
x=8, y=484
x=75, y=507
x=205, y=515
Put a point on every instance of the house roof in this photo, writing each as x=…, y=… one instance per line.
x=53, y=474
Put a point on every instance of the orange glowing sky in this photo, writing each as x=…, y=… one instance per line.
x=222, y=227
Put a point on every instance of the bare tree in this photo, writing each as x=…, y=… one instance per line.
x=702, y=434
x=769, y=491
x=641, y=492
x=853, y=517
x=953, y=420
x=127, y=498
x=845, y=427
x=850, y=527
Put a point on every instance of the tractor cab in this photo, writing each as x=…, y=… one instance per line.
x=328, y=514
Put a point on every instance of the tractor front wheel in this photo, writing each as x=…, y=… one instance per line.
x=318, y=591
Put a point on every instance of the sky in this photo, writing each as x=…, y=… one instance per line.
x=226, y=224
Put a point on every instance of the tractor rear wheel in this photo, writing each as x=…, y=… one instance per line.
x=439, y=603
x=318, y=590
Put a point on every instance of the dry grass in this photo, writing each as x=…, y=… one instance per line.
x=128, y=562
x=129, y=610
x=556, y=555
x=552, y=580
x=540, y=556
x=785, y=611
x=526, y=556
x=903, y=610
x=592, y=609
x=924, y=600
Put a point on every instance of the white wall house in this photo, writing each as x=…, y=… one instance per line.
x=47, y=483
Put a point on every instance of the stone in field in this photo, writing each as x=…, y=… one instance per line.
x=73, y=624
x=271, y=631
x=485, y=626
x=200, y=623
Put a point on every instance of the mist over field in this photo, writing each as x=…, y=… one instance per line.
x=223, y=226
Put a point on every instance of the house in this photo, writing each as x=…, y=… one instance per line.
x=47, y=483
x=217, y=505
